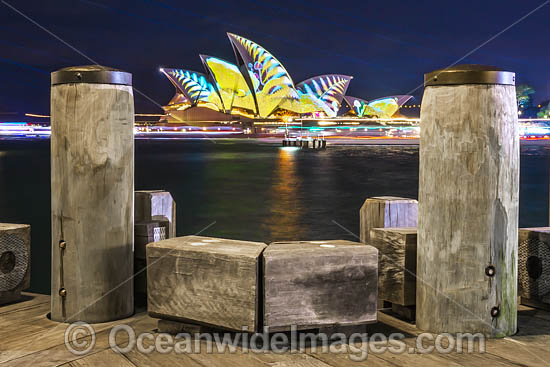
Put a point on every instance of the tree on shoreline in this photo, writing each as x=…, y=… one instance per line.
x=524, y=93
x=544, y=111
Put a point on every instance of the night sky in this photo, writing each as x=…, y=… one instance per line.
x=386, y=46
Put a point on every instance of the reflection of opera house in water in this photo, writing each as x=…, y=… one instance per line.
x=259, y=87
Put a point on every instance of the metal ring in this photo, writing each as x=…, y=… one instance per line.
x=469, y=74
x=94, y=74
x=490, y=271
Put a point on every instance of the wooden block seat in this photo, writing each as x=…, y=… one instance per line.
x=205, y=280
x=314, y=284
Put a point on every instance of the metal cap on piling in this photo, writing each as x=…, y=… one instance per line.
x=469, y=74
x=96, y=74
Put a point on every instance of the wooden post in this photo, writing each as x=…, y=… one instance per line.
x=468, y=202
x=156, y=206
x=386, y=212
x=92, y=170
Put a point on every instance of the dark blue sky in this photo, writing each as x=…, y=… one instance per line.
x=386, y=45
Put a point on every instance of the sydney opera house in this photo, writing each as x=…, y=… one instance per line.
x=258, y=86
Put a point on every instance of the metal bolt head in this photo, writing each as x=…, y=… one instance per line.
x=63, y=292
x=495, y=311
x=62, y=244
x=79, y=76
x=490, y=271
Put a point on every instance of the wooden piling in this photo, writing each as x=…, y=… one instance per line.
x=92, y=182
x=468, y=202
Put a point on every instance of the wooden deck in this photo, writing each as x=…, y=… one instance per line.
x=28, y=338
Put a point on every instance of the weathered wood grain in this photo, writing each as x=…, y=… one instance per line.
x=211, y=281
x=314, y=284
x=250, y=359
x=106, y=358
x=468, y=210
x=158, y=359
x=156, y=205
x=176, y=327
x=41, y=334
x=386, y=211
x=55, y=352
x=396, y=264
x=92, y=166
x=15, y=261
x=46, y=347
x=27, y=300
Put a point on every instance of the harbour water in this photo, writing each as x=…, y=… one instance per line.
x=248, y=190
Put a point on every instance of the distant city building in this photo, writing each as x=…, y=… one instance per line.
x=258, y=86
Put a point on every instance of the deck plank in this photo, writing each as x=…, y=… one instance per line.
x=59, y=354
x=27, y=300
x=28, y=338
x=42, y=335
x=157, y=359
x=107, y=358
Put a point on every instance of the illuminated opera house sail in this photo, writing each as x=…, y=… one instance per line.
x=259, y=86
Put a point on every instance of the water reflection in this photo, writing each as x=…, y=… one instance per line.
x=254, y=192
x=285, y=209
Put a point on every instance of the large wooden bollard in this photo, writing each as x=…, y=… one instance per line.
x=468, y=202
x=92, y=170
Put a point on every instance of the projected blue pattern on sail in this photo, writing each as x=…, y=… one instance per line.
x=323, y=93
x=195, y=87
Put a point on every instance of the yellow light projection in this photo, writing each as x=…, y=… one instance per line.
x=269, y=79
x=322, y=93
x=258, y=85
x=230, y=83
x=386, y=107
